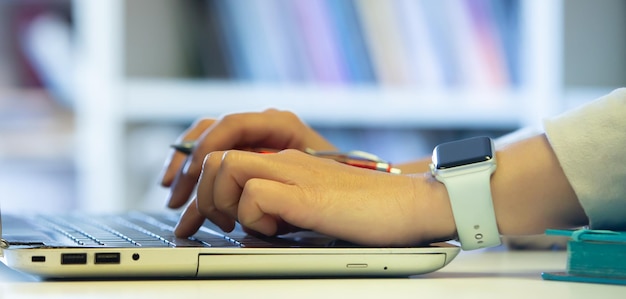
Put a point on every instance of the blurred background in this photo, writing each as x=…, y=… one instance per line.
x=92, y=93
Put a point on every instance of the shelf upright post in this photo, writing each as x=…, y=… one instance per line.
x=542, y=39
x=99, y=106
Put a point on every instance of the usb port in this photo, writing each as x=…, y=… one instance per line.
x=38, y=259
x=107, y=258
x=73, y=258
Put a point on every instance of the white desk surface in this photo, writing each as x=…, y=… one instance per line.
x=479, y=274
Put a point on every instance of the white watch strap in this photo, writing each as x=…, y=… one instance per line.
x=472, y=207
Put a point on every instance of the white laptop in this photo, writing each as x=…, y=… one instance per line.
x=138, y=244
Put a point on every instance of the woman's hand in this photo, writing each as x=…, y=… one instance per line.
x=275, y=193
x=278, y=193
x=270, y=129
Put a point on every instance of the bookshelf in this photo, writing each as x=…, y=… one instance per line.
x=113, y=103
x=36, y=125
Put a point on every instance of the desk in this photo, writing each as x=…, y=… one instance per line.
x=480, y=274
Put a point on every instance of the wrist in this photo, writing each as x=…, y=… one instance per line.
x=434, y=221
x=465, y=168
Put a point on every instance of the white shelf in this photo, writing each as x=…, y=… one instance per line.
x=34, y=126
x=576, y=96
x=365, y=106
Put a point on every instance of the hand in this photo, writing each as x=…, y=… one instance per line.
x=270, y=129
x=273, y=193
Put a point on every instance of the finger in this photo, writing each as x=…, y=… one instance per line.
x=231, y=176
x=227, y=190
x=190, y=221
x=238, y=175
x=231, y=131
x=205, y=198
x=175, y=160
x=266, y=205
x=182, y=187
x=270, y=128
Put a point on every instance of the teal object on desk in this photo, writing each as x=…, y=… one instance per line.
x=595, y=256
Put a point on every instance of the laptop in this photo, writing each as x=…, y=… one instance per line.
x=143, y=245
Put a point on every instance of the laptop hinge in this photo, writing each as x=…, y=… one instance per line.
x=3, y=243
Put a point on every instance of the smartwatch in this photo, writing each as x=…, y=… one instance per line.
x=465, y=168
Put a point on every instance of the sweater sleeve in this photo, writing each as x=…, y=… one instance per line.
x=590, y=144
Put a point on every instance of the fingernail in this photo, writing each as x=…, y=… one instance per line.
x=176, y=227
x=168, y=200
x=187, y=165
x=165, y=180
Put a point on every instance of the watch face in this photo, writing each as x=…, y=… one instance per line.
x=462, y=152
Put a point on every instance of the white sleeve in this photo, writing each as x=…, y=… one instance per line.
x=590, y=143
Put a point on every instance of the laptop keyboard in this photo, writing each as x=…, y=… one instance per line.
x=132, y=230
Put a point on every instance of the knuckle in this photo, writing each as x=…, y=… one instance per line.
x=230, y=119
x=205, y=208
x=271, y=111
x=253, y=186
x=221, y=205
x=203, y=122
x=284, y=114
x=211, y=160
x=226, y=206
x=289, y=115
x=228, y=159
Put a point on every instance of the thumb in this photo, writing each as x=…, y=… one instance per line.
x=265, y=205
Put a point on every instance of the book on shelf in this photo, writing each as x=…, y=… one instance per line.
x=321, y=43
x=383, y=38
x=425, y=70
x=490, y=50
x=211, y=40
x=596, y=256
x=421, y=43
x=351, y=41
x=506, y=17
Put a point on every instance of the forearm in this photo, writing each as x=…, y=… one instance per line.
x=530, y=191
